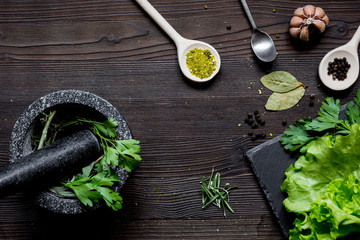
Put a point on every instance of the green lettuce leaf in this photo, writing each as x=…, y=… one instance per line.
x=323, y=162
x=335, y=214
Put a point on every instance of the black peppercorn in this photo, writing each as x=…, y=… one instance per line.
x=284, y=123
x=338, y=69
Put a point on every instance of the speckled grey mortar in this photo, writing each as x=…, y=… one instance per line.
x=23, y=130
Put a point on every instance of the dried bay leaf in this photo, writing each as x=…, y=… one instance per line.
x=280, y=82
x=282, y=101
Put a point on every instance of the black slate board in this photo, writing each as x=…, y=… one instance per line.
x=269, y=162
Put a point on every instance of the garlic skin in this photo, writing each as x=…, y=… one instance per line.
x=305, y=20
x=295, y=32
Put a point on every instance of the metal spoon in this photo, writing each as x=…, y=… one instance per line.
x=261, y=43
x=183, y=45
x=350, y=51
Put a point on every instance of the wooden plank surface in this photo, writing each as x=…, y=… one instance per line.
x=113, y=49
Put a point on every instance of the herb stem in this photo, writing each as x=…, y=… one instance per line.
x=46, y=129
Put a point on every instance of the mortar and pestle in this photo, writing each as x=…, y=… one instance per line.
x=68, y=153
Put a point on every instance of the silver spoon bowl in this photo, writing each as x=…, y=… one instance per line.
x=261, y=43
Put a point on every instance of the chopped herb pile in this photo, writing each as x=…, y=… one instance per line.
x=323, y=184
x=212, y=193
x=95, y=181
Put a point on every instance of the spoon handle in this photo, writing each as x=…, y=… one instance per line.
x=156, y=16
x=355, y=39
x=248, y=13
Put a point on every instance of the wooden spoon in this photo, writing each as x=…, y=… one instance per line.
x=350, y=51
x=183, y=45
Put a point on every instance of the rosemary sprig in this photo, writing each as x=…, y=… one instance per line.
x=212, y=193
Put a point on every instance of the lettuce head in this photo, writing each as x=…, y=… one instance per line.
x=323, y=188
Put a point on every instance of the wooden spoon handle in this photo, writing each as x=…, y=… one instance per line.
x=160, y=20
x=354, y=42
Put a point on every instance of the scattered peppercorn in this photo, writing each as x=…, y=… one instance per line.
x=338, y=68
x=254, y=121
x=284, y=123
x=228, y=27
x=311, y=103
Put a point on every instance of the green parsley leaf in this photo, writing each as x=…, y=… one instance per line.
x=111, y=198
x=107, y=127
x=128, y=151
x=328, y=116
x=352, y=110
x=86, y=171
x=84, y=190
x=110, y=157
x=297, y=137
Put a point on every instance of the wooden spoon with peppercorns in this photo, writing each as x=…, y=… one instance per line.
x=339, y=69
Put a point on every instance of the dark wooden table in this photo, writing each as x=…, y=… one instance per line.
x=113, y=49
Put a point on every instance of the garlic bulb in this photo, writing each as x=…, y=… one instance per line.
x=305, y=20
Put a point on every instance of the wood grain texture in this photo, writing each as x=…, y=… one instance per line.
x=113, y=49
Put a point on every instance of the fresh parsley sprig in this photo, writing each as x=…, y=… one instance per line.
x=116, y=152
x=91, y=189
x=300, y=136
x=213, y=193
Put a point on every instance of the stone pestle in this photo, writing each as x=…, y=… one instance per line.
x=63, y=157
